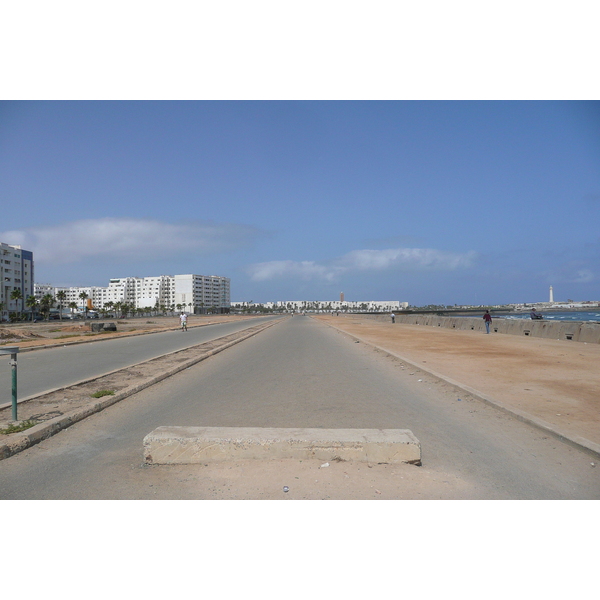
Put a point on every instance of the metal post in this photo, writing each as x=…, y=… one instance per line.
x=13, y=350
x=13, y=364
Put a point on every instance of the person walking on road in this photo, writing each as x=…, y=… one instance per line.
x=393, y=318
x=487, y=319
x=183, y=320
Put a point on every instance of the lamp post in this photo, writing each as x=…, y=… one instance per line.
x=13, y=351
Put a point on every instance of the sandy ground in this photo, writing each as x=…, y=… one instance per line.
x=554, y=380
x=31, y=335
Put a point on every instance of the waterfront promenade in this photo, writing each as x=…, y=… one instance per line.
x=556, y=382
x=304, y=373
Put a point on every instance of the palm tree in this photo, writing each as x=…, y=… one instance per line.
x=61, y=296
x=84, y=297
x=31, y=303
x=17, y=296
x=73, y=307
x=46, y=303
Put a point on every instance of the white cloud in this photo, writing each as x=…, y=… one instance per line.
x=584, y=276
x=127, y=239
x=305, y=270
x=408, y=259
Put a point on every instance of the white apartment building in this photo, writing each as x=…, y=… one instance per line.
x=143, y=292
x=326, y=305
x=16, y=273
x=72, y=294
x=202, y=292
x=194, y=293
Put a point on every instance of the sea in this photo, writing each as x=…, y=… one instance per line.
x=551, y=315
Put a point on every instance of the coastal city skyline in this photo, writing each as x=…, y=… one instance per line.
x=448, y=203
x=435, y=154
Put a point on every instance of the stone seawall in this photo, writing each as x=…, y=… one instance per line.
x=576, y=331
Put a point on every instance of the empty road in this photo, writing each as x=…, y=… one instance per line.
x=301, y=373
x=42, y=370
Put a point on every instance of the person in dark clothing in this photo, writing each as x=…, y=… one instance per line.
x=487, y=318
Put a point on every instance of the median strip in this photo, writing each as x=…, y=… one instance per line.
x=59, y=409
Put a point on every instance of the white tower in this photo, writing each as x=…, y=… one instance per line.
x=551, y=295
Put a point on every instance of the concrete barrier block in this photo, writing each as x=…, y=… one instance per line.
x=568, y=331
x=589, y=332
x=190, y=445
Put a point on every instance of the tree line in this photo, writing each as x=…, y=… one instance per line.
x=46, y=303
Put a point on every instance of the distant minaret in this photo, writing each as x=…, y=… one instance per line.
x=341, y=296
x=551, y=295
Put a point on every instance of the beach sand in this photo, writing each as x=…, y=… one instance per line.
x=554, y=381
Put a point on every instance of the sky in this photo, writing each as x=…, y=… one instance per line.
x=429, y=153
x=425, y=202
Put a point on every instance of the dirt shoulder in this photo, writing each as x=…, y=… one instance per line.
x=555, y=381
x=48, y=333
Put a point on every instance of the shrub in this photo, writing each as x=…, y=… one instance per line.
x=16, y=428
x=102, y=393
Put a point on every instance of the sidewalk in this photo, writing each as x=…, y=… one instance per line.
x=553, y=384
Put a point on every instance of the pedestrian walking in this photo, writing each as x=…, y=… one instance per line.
x=183, y=320
x=393, y=318
x=487, y=319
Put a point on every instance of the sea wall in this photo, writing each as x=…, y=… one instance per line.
x=576, y=331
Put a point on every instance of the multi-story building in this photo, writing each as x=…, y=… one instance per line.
x=200, y=292
x=16, y=273
x=326, y=305
x=194, y=293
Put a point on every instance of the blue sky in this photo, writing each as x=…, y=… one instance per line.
x=443, y=202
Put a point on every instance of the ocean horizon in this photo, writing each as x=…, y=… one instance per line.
x=588, y=315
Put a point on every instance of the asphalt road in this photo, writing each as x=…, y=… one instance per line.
x=301, y=373
x=42, y=370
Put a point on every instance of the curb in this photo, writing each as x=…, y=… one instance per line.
x=578, y=442
x=38, y=433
